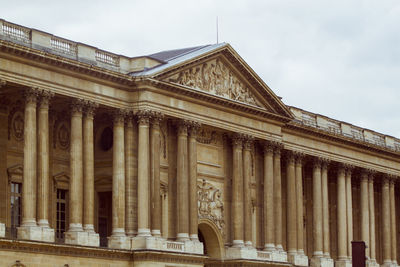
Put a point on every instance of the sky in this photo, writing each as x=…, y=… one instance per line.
x=337, y=58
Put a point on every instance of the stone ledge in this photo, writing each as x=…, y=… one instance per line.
x=2, y=230
x=244, y=263
x=321, y=262
x=298, y=260
x=36, y=233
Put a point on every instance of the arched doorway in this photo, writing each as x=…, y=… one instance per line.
x=212, y=239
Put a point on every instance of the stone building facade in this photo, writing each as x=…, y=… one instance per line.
x=179, y=158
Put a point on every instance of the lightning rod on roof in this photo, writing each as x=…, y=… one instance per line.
x=217, y=29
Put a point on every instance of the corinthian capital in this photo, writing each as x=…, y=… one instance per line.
x=77, y=106
x=143, y=116
x=194, y=128
x=248, y=142
x=31, y=95
x=90, y=107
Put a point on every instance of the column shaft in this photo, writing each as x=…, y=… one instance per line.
x=386, y=230
x=325, y=209
x=155, y=176
x=129, y=178
x=291, y=204
x=317, y=209
x=30, y=153
x=76, y=169
x=88, y=152
x=299, y=203
x=364, y=196
x=182, y=183
x=247, y=192
x=278, y=198
x=393, y=230
x=193, y=222
x=118, y=186
x=143, y=174
x=43, y=161
x=341, y=214
x=269, y=229
x=237, y=194
x=349, y=207
x=371, y=203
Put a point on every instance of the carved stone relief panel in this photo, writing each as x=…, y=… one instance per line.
x=209, y=136
x=16, y=122
x=210, y=203
x=216, y=78
x=61, y=132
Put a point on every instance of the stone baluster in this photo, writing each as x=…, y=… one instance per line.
x=269, y=229
x=28, y=229
x=155, y=174
x=143, y=174
x=299, y=202
x=247, y=145
x=182, y=182
x=129, y=176
x=237, y=191
x=193, y=209
x=118, y=237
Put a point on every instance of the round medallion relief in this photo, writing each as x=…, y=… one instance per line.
x=106, y=139
x=63, y=136
x=17, y=125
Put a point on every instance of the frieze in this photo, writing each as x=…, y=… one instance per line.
x=216, y=78
x=210, y=204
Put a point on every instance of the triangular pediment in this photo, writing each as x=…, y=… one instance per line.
x=224, y=74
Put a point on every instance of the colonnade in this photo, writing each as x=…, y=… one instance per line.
x=35, y=225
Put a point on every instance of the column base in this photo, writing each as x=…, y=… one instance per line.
x=322, y=262
x=389, y=264
x=119, y=242
x=297, y=259
x=275, y=255
x=371, y=263
x=36, y=233
x=2, y=230
x=82, y=238
x=147, y=242
x=343, y=263
x=241, y=253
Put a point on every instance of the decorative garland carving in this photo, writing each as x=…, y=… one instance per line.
x=214, y=77
x=210, y=204
x=207, y=136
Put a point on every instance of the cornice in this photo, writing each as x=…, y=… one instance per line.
x=339, y=138
x=200, y=95
x=64, y=62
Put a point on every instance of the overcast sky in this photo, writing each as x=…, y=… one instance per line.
x=338, y=58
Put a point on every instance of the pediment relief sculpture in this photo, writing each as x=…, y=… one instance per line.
x=210, y=204
x=214, y=77
x=15, y=173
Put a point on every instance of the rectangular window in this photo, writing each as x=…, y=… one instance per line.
x=61, y=213
x=16, y=194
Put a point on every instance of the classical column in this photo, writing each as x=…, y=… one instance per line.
x=88, y=168
x=341, y=213
x=349, y=210
x=325, y=209
x=182, y=182
x=237, y=191
x=393, y=230
x=247, y=144
x=129, y=176
x=317, y=209
x=278, y=197
x=143, y=174
x=76, y=169
x=364, y=199
x=371, y=204
x=155, y=174
x=269, y=243
x=193, y=209
x=386, y=229
x=43, y=160
x=29, y=172
x=299, y=202
x=118, y=237
x=291, y=204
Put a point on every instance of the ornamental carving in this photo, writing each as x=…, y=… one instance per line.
x=207, y=136
x=214, y=77
x=61, y=132
x=210, y=204
x=17, y=125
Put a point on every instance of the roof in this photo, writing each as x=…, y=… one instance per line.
x=174, y=57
